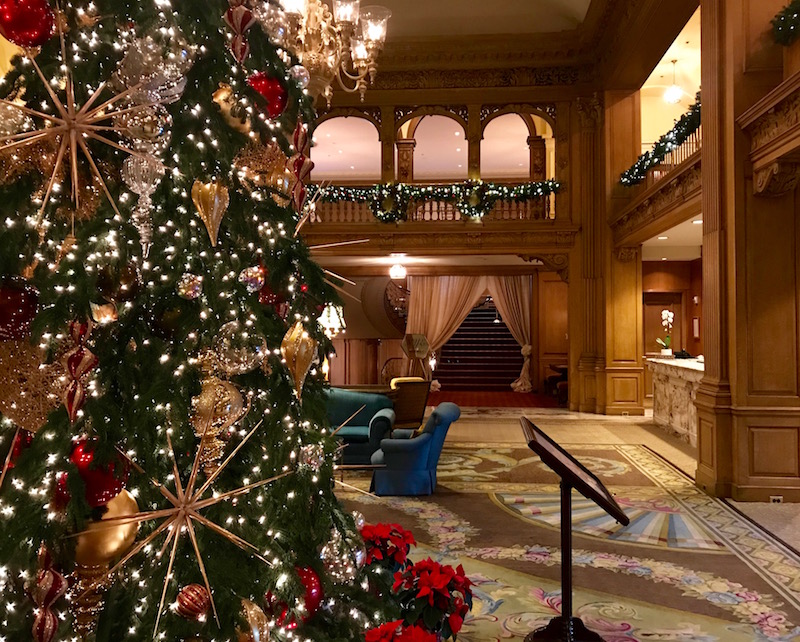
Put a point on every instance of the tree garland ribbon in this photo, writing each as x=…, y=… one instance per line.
x=686, y=125
x=389, y=202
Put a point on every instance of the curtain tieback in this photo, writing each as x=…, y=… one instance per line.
x=526, y=351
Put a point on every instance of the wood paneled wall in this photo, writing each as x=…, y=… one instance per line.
x=553, y=338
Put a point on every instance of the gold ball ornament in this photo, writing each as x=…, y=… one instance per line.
x=211, y=200
x=29, y=389
x=232, y=110
x=257, y=621
x=101, y=543
x=298, y=349
x=262, y=165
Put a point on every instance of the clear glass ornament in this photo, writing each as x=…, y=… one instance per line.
x=238, y=350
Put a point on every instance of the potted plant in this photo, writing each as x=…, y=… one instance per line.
x=434, y=597
x=667, y=319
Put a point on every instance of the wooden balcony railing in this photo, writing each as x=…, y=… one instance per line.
x=675, y=158
x=540, y=209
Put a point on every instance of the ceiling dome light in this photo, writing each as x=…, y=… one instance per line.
x=397, y=272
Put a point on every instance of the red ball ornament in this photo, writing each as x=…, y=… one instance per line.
x=18, y=302
x=27, y=23
x=267, y=296
x=102, y=484
x=272, y=90
x=193, y=602
x=312, y=599
x=304, y=288
x=22, y=440
x=313, y=596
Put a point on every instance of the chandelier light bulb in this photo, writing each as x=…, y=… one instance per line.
x=373, y=23
x=297, y=7
x=397, y=272
x=346, y=11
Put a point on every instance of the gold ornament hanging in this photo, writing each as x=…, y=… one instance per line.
x=232, y=110
x=95, y=548
x=258, y=622
x=218, y=407
x=29, y=389
x=211, y=200
x=298, y=349
x=262, y=166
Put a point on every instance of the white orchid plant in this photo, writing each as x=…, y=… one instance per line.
x=667, y=320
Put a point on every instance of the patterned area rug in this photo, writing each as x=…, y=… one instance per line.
x=688, y=567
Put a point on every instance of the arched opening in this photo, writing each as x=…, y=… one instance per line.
x=440, y=150
x=505, y=153
x=346, y=150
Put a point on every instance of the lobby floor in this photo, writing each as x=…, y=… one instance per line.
x=501, y=425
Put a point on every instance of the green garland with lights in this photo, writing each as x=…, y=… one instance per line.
x=786, y=24
x=389, y=202
x=686, y=125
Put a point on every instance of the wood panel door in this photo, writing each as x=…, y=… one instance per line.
x=654, y=303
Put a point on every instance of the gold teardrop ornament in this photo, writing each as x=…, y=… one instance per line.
x=211, y=200
x=298, y=349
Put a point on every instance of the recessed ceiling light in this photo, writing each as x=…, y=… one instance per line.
x=461, y=166
x=352, y=166
x=327, y=135
x=663, y=238
x=458, y=149
x=698, y=221
x=663, y=258
x=458, y=133
x=341, y=152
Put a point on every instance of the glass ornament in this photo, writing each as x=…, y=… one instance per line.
x=190, y=286
x=238, y=350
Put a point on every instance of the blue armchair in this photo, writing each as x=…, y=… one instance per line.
x=363, y=433
x=410, y=464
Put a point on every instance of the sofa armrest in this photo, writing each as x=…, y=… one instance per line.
x=380, y=427
x=403, y=433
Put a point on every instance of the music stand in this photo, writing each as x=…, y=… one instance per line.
x=573, y=474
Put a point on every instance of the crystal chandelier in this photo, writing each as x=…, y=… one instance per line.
x=332, y=320
x=343, y=45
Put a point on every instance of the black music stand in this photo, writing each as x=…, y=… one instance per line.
x=573, y=474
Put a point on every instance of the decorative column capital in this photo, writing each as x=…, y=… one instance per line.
x=776, y=179
x=626, y=254
x=590, y=111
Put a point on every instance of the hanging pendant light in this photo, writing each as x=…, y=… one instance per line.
x=673, y=93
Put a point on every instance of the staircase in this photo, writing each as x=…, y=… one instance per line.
x=481, y=355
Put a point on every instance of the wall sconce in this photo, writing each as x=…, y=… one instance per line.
x=397, y=272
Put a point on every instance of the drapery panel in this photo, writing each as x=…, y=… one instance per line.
x=439, y=304
x=512, y=297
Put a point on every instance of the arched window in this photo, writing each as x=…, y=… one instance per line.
x=505, y=153
x=441, y=150
x=346, y=150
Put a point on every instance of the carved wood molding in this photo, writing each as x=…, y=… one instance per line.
x=773, y=125
x=776, y=179
x=590, y=111
x=404, y=113
x=483, y=78
x=627, y=254
x=676, y=189
x=488, y=112
x=371, y=113
x=558, y=262
x=425, y=238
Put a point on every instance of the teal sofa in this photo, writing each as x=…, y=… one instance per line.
x=362, y=435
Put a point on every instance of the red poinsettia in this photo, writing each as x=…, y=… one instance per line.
x=434, y=596
x=387, y=544
x=397, y=632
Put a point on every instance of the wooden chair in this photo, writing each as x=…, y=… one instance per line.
x=410, y=401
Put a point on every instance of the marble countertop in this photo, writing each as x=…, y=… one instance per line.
x=685, y=364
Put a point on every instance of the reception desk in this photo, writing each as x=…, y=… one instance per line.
x=675, y=383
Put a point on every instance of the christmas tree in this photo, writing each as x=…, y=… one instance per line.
x=169, y=471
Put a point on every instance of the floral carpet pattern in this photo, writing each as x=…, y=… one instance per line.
x=688, y=567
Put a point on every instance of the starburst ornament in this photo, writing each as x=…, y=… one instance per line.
x=184, y=515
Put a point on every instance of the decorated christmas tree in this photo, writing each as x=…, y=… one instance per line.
x=169, y=472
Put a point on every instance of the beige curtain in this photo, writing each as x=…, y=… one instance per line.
x=512, y=296
x=439, y=304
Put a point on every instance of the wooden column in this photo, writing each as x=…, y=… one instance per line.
x=624, y=371
x=405, y=160
x=388, y=136
x=538, y=159
x=748, y=402
x=474, y=136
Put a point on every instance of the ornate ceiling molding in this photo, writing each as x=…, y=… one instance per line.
x=483, y=78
